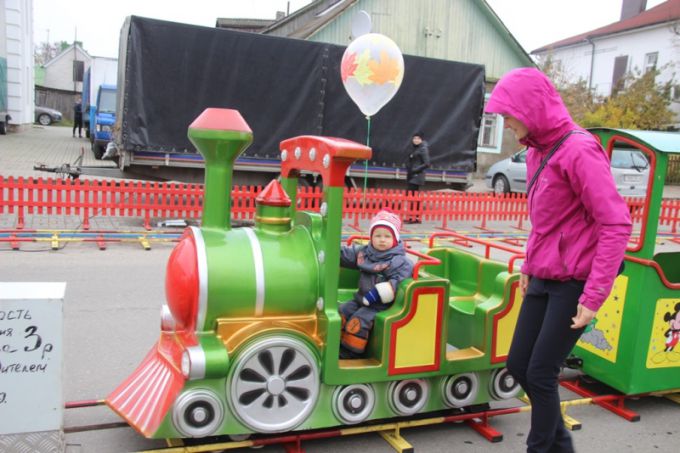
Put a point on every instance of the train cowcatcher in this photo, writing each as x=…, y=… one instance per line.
x=250, y=332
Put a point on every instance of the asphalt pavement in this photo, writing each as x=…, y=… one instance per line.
x=111, y=320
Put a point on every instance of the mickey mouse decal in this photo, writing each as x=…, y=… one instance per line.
x=673, y=333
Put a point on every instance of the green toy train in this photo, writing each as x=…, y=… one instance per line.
x=632, y=344
x=251, y=332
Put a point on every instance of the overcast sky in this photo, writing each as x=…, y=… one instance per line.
x=534, y=23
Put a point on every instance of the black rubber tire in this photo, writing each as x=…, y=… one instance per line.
x=98, y=151
x=3, y=128
x=503, y=184
x=44, y=119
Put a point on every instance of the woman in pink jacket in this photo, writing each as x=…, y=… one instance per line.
x=580, y=228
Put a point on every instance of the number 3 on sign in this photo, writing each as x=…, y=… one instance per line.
x=31, y=332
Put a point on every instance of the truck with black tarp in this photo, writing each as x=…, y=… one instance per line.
x=170, y=72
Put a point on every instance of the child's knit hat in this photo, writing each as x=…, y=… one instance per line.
x=388, y=219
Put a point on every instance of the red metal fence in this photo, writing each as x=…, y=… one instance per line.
x=147, y=200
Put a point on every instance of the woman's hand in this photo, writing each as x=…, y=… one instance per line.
x=523, y=284
x=583, y=317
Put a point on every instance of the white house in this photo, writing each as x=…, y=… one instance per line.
x=16, y=59
x=65, y=71
x=639, y=41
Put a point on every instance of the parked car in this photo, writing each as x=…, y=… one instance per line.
x=630, y=169
x=46, y=115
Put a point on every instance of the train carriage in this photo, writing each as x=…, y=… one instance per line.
x=250, y=333
x=632, y=344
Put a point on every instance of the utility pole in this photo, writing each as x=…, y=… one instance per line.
x=75, y=58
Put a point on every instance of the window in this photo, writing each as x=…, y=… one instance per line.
x=490, y=133
x=675, y=93
x=620, y=67
x=650, y=61
x=520, y=157
x=629, y=159
x=78, y=70
x=487, y=134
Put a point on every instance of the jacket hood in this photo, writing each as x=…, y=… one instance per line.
x=528, y=95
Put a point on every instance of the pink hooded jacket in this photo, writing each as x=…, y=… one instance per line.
x=580, y=223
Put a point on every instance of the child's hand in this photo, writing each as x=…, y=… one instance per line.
x=380, y=293
x=372, y=297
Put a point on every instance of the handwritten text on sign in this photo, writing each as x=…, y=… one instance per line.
x=31, y=357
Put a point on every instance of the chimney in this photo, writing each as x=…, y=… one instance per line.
x=631, y=8
x=220, y=135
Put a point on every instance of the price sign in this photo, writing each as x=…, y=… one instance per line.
x=31, y=397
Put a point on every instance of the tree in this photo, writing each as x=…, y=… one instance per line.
x=577, y=97
x=45, y=51
x=641, y=104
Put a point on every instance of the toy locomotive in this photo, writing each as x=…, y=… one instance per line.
x=250, y=333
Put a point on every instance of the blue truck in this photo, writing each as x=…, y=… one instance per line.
x=99, y=102
x=103, y=119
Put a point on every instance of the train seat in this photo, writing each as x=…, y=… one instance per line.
x=477, y=286
x=472, y=277
x=347, y=287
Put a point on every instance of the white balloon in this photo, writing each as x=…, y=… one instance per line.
x=361, y=24
x=372, y=70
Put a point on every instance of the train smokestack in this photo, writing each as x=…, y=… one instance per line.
x=220, y=135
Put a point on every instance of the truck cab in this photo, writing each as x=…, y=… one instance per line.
x=101, y=123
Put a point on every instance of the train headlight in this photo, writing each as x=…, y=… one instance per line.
x=181, y=283
x=167, y=321
x=193, y=363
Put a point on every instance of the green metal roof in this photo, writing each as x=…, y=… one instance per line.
x=666, y=142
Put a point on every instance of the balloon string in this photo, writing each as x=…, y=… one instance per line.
x=368, y=143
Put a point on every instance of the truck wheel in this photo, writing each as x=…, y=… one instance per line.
x=98, y=151
x=3, y=128
x=44, y=119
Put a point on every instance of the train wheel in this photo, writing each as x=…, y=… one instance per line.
x=197, y=413
x=460, y=390
x=503, y=385
x=409, y=396
x=274, y=384
x=353, y=403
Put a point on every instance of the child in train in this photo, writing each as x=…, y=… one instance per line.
x=382, y=265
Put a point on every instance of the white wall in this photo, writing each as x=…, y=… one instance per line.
x=59, y=71
x=104, y=72
x=19, y=41
x=576, y=60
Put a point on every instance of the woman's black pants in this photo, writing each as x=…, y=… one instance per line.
x=542, y=341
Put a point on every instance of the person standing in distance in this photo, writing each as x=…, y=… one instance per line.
x=580, y=227
x=78, y=117
x=418, y=162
